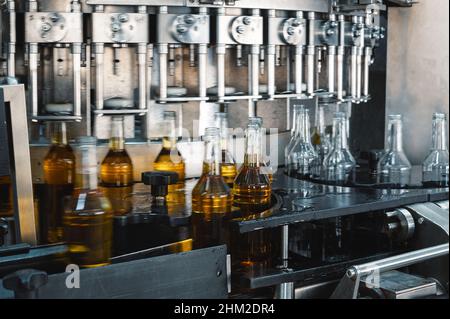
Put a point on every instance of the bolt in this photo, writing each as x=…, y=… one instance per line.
x=115, y=27
x=333, y=24
x=54, y=17
x=189, y=19
x=290, y=31
x=240, y=29
x=357, y=33
x=296, y=23
x=247, y=20
x=330, y=32
x=182, y=28
x=123, y=18
x=46, y=27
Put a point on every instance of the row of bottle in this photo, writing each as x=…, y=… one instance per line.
x=319, y=157
x=84, y=219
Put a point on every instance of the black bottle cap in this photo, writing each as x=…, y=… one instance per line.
x=159, y=181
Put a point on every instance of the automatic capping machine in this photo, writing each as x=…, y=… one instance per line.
x=83, y=62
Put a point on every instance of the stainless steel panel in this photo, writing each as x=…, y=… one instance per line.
x=120, y=28
x=44, y=27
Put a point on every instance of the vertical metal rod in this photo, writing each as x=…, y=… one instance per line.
x=163, y=51
x=367, y=61
x=87, y=75
x=12, y=39
x=358, y=75
x=340, y=59
x=76, y=63
x=220, y=51
x=33, y=67
x=99, y=75
x=331, y=68
x=311, y=54
x=353, y=72
x=298, y=69
x=147, y=122
x=255, y=70
x=202, y=69
x=285, y=290
x=142, y=74
x=271, y=58
x=192, y=55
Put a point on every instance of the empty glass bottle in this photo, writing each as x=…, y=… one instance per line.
x=212, y=199
x=169, y=158
x=59, y=175
x=294, y=133
x=116, y=172
x=339, y=163
x=320, y=140
x=227, y=164
x=88, y=217
x=302, y=157
x=435, y=168
x=394, y=167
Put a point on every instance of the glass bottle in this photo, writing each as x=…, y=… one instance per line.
x=59, y=178
x=252, y=188
x=227, y=165
x=265, y=167
x=169, y=158
x=339, y=163
x=88, y=218
x=116, y=171
x=252, y=195
x=394, y=167
x=294, y=133
x=435, y=168
x=212, y=198
x=320, y=138
x=302, y=157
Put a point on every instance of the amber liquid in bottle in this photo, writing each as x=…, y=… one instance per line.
x=252, y=195
x=212, y=199
x=59, y=175
x=169, y=158
x=265, y=168
x=116, y=171
x=6, y=197
x=88, y=218
x=228, y=168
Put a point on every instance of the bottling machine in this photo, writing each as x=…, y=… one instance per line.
x=86, y=62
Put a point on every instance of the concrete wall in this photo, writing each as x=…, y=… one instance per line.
x=418, y=70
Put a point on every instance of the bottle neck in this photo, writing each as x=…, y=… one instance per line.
x=321, y=121
x=339, y=134
x=59, y=133
x=294, y=130
x=439, y=135
x=170, y=138
x=253, y=147
x=211, y=160
x=222, y=124
x=303, y=128
x=87, y=168
x=395, y=137
x=117, y=140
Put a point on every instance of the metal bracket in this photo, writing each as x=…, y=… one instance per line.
x=13, y=112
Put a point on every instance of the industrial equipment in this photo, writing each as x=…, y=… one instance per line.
x=236, y=143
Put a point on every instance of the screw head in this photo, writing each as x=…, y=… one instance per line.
x=247, y=20
x=182, y=28
x=46, y=27
x=296, y=23
x=189, y=19
x=330, y=32
x=333, y=24
x=240, y=29
x=123, y=18
x=54, y=17
x=291, y=30
x=115, y=27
